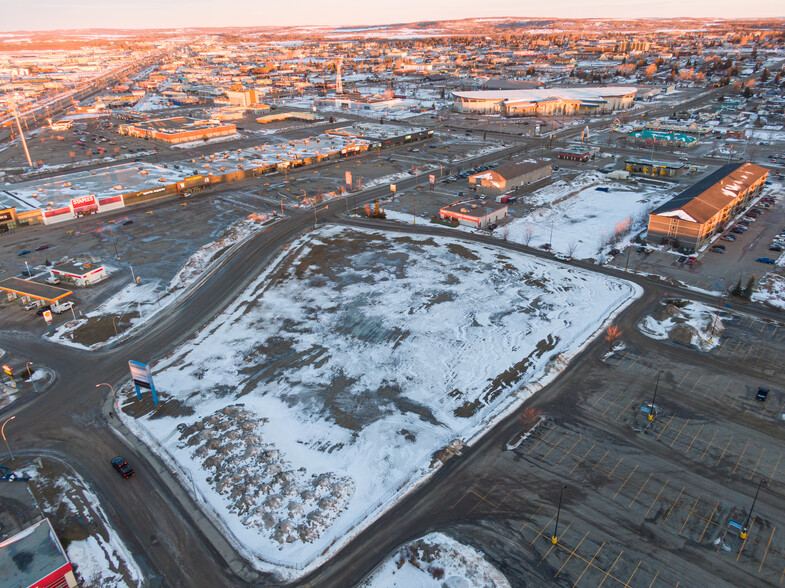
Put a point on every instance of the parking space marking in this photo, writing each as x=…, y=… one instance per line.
x=637, y=357
x=596, y=402
x=675, y=502
x=633, y=573
x=695, y=438
x=708, y=521
x=571, y=554
x=689, y=371
x=743, y=543
x=554, y=446
x=569, y=451
x=776, y=465
x=679, y=434
x=724, y=450
x=709, y=445
x=710, y=387
x=526, y=524
x=485, y=498
x=656, y=497
x=547, y=553
x=621, y=459
x=765, y=553
x=614, y=401
x=589, y=563
x=740, y=456
x=624, y=410
x=595, y=466
x=744, y=359
x=625, y=482
x=723, y=345
x=724, y=390
x=654, y=578
x=580, y=461
x=690, y=513
x=664, y=427
x=540, y=440
x=608, y=573
x=641, y=489
x=469, y=489
x=757, y=463
x=541, y=533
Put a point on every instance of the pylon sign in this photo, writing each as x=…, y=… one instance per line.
x=143, y=378
x=8, y=370
x=47, y=316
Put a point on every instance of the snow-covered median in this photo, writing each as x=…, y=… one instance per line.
x=320, y=396
x=686, y=322
x=436, y=561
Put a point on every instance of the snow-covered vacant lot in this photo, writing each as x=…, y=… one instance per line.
x=322, y=393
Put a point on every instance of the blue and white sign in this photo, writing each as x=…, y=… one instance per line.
x=142, y=377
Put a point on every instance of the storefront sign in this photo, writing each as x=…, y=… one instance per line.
x=83, y=202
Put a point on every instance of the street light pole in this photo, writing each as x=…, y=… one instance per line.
x=30, y=376
x=656, y=385
x=114, y=325
x=744, y=529
x=555, y=537
x=110, y=388
x=2, y=432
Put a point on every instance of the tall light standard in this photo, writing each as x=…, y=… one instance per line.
x=114, y=325
x=656, y=385
x=2, y=432
x=29, y=275
x=744, y=529
x=555, y=537
x=30, y=376
x=110, y=388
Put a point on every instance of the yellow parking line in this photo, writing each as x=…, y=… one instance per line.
x=752, y=522
x=571, y=554
x=708, y=521
x=654, y=578
x=569, y=451
x=641, y=489
x=543, y=529
x=621, y=459
x=710, y=387
x=689, y=371
x=723, y=345
x=695, y=438
x=741, y=456
x=526, y=524
x=765, y=553
x=580, y=461
x=679, y=435
x=657, y=497
x=469, y=489
x=757, y=463
x=540, y=440
x=633, y=573
x=625, y=482
x=690, y=513
x=776, y=465
x=554, y=447
x=724, y=450
x=547, y=553
x=664, y=427
x=595, y=466
x=596, y=402
x=707, y=447
x=675, y=502
x=608, y=573
x=624, y=410
x=588, y=564
x=614, y=401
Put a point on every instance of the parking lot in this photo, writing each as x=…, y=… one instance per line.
x=646, y=503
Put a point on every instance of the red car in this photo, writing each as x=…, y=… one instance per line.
x=42, y=247
x=691, y=260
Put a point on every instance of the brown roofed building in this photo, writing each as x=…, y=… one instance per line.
x=509, y=176
x=690, y=219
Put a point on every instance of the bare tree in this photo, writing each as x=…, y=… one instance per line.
x=527, y=236
x=505, y=232
x=571, y=248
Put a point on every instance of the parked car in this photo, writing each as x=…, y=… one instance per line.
x=59, y=307
x=766, y=260
x=762, y=394
x=614, y=252
x=776, y=248
x=31, y=305
x=692, y=259
x=682, y=259
x=52, y=280
x=23, y=252
x=42, y=310
x=122, y=467
x=42, y=247
x=718, y=249
x=737, y=230
x=728, y=237
x=562, y=257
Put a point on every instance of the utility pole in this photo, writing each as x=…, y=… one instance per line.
x=745, y=528
x=656, y=385
x=555, y=537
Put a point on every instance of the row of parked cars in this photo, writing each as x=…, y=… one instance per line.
x=777, y=245
x=465, y=174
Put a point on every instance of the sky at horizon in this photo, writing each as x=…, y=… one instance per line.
x=77, y=14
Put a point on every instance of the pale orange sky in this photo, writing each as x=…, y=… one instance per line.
x=68, y=14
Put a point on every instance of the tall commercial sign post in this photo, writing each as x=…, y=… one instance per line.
x=432, y=180
x=143, y=378
x=9, y=371
x=49, y=322
x=348, y=178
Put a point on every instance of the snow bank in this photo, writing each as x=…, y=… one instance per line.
x=687, y=322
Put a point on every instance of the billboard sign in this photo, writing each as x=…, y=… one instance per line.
x=6, y=215
x=432, y=178
x=48, y=316
x=83, y=201
x=393, y=188
x=348, y=177
x=143, y=378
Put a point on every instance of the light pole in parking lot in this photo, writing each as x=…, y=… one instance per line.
x=656, y=385
x=745, y=529
x=114, y=324
x=2, y=432
x=555, y=537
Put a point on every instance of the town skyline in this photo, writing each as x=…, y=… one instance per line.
x=200, y=14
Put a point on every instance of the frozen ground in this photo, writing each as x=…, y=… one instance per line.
x=583, y=219
x=99, y=556
x=321, y=395
x=771, y=291
x=436, y=561
x=139, y=303
x=687, y=322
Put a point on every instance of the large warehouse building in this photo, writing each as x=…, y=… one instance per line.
x=546, y=102
x=509, y=176
x=690, y=219
x=179, y=129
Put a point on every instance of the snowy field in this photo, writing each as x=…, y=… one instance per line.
x=320, y=396
x=771, y=291
x=584, y=220
x=686, y=322
x=435, y=561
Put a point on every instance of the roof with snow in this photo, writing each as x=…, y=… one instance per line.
x=701, y=201
x=545, y=94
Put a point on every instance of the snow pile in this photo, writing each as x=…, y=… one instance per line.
x=686, y=322
x=436, y=561
x=330, y=352
x=771, y=291
x=579, y=220
x=195, y=264
x=258, y=483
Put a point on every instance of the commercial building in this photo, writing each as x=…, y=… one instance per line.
x=382, y=135
x=575, y=154
x=690, y=219
x=509, y=176
x=28, y=290
x=178, y=129
x=8, y=220
x=31, y=555
x=79, y=274
x=650, y=167
x=241, y=97
x=546, y=102
x=471, y=213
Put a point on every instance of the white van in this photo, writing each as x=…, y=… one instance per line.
x=60, y=307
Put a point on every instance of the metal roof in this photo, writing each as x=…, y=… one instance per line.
x=34, y=289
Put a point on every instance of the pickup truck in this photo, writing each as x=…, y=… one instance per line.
x=60, y=307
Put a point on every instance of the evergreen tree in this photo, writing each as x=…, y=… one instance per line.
x=749, y=288
x=737, y=289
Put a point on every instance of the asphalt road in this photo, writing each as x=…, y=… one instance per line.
x=173, y=543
